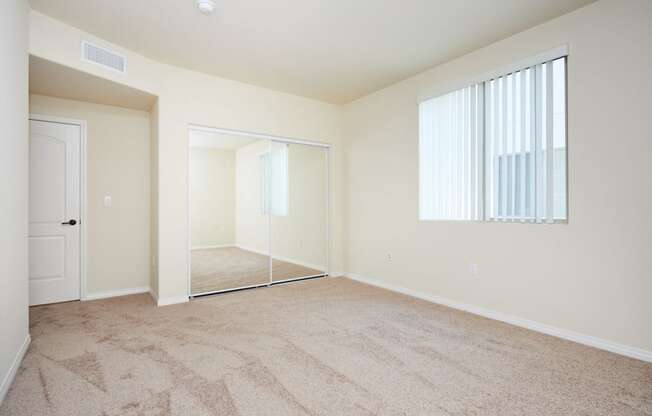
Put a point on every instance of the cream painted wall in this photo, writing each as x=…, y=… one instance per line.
x=593, y=275
x=13, y=188
x=118, y=164
x=153, y=229
x=190, y=97
x=300, y=236
x=212, y=197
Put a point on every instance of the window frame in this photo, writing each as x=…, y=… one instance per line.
x=549, y=56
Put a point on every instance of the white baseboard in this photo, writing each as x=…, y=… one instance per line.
x=209, y=247
x=154, y=296
x=172, y=300
x=114, y=293
x=11, y=374
x=566, y=334
x=285, y=259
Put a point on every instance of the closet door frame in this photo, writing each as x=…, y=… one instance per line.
x=270, y=139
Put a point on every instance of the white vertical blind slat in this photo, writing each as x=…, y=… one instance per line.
x=473, y=165
x=446, y=163
x=436, y=148
x=451, y=157
x=456, y=152
x=469, y=153
x=442, y=149
x=426, y=156
x=512, y=153
x=495, y=151
x=532, y=142
x=479, y=152
x=550, y=151
x=504, y=150
x=523, y=153
x=461, y=155
x=465, y=157
x=538, y=142
x=457, y=140
x=488, y=144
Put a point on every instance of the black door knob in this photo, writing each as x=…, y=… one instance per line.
x=71, y=222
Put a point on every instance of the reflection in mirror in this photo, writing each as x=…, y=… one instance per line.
x=297, y=179
x=229, y=231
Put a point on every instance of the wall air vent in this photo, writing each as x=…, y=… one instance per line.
x=105, y=58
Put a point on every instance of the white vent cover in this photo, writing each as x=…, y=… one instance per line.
x=100, y=56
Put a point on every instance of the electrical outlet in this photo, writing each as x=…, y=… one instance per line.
x=108, y=201
x=473, y=269
x=389, y=256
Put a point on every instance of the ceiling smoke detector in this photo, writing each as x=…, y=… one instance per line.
x=206, y=6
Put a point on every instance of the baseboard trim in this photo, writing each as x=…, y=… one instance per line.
x=154, y=296
x=209, y=247
x=115, y=293
x=172, y=300
x=15, y=365
x=285, y=259
x=603, y=344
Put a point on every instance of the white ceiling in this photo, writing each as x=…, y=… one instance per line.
x=331, y=50
x=211, y=140
x=55, y=80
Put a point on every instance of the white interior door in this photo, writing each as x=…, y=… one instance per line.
x=54, y=212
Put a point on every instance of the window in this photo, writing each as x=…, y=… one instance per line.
x=496, y=150
x=274, y=180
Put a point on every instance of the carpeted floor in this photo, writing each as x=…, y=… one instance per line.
x=231, y=267
x=321, y=347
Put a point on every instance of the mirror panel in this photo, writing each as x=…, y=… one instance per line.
x=298, y=208
x=229, y=228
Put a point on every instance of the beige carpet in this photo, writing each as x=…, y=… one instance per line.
x=231, y=267
x=320, y=347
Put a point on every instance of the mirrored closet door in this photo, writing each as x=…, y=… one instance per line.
x=299, y=190
x=258, y=211
x=229, y=247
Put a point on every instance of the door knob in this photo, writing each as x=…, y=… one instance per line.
x=71, y=222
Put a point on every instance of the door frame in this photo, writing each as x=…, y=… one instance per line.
x=82, y=192
x=271, y=138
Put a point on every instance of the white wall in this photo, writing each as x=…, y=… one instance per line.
x=190, y=97
x=118, y=165
x=591, y=276
x=212, y=197
x=300, y=236
x=13, y=189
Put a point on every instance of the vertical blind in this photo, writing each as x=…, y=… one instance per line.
x=525, y=135
x=496, y=150
x=450, y=153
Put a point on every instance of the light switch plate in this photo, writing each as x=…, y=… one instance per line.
x=107, y=201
